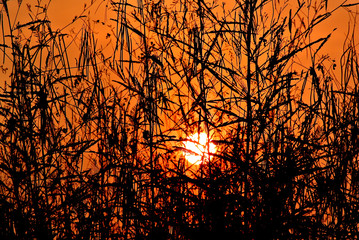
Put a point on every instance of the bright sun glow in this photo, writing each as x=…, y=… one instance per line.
x=197, y=148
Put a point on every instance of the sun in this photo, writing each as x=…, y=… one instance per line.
x=197, y=149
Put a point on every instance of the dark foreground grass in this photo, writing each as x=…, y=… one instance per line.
x=91, y=144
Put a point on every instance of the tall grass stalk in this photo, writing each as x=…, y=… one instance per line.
x=91, y=144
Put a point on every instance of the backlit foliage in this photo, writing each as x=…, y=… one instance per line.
x=93, y=123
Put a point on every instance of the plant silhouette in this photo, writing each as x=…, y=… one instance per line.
x=92, y=141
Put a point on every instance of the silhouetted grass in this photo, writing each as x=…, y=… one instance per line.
x=91, y=145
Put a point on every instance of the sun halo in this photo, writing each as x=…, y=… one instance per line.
x=198, y=149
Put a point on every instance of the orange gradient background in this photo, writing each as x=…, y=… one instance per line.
x=61, y=13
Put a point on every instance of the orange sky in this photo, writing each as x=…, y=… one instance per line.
x=339, y=20
x=62, y=12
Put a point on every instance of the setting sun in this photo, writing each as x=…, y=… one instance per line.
x=158, y=119
x=198, y=149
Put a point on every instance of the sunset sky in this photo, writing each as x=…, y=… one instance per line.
x=61, y=14
x=339, y=20
x=178, y=119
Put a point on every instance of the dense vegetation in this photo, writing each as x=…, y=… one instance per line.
x=91, y=139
